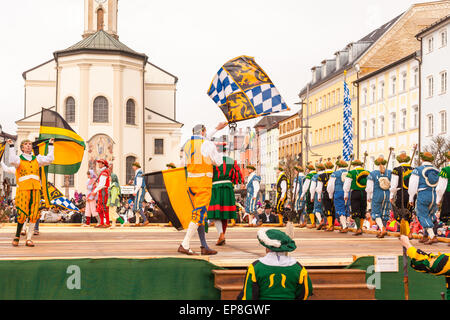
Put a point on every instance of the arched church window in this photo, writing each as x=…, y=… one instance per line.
x=131, y=112
x=129, y=173
x=70, y=110
x=100, y=110
x=100, y=19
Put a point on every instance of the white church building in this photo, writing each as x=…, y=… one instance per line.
x=122, y=105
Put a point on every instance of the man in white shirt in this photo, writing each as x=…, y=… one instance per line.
x=199, y=155
x=139, y=194
x=28, y=194
x=423, y=182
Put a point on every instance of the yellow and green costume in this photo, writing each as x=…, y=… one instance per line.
x=437, y=264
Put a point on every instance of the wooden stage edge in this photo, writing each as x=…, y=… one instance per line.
x=316, y=249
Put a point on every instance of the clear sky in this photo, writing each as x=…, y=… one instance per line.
x=192, y=39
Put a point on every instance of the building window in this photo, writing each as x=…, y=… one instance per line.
x=364, y=130
x=404, y=81
x=374, y=94
x=381, y=126
x=393, y=86
x=372, y=128
x=333, y=98
x=443, y=115
x=403, y=119
x=393, y=120
x=129, y=172
x=443, y=38
x=159, y=146
x=415, y=116
x=131, y=112
x=430, y=44
x=100, y=110
x=416, y=77
x=430, y=124
x=364, y=96
x=382, y=90
x=338, y=96
x=100, y=19
x=70, y=109
x=430, y=86
x=443, y=81
x=320, y=105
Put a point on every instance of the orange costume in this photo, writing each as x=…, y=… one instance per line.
x=28, y=194
x=200, y=154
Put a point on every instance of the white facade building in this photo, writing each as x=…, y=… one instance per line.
x=435, y=97
x=113, y=97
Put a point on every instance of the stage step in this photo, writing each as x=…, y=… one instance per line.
x=328, y=284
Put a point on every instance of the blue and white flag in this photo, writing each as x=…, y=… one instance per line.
x=64, y=203
x=348, y=125
x=242, y=90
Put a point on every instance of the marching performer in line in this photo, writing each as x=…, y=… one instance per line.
x=399, y=186
x=306, y=195
x=139, y=194
x=355, y=181
x=223, y=202
x=91, y=201
x=318, y=208
x=276, y=276
x=252, y=188
x=200, y=154
x=103, y=181
x=423, y=182
x=443, y=192
x=28, y=194
x=299, y=204
x=377, y=190
x=322, y=195
x=335, y=189
x=282, y=187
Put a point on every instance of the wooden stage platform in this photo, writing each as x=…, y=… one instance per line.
x=314, y=248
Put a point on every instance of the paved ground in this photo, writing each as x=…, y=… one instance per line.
x=314, y=248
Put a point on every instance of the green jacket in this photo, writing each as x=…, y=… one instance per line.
x=359, y=178
x=445, y=173
x=264, y=282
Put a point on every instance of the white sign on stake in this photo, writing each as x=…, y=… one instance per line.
x=386, y=263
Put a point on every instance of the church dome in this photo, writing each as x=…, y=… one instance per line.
x=100, y=42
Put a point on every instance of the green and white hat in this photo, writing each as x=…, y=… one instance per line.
x=276, y=240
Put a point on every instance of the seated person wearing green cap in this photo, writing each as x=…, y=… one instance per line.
x=276, y=276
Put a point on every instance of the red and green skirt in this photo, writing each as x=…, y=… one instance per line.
x=223, y=202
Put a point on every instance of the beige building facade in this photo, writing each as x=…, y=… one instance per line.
x=122, y=105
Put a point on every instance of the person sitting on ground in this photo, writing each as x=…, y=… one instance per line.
x=276, y=276
x=267, y=216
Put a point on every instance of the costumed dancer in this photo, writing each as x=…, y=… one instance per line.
x=223, y=202
x=306, y=195
x=28, y=194
x=423, y=182
x=299, y=204
x=91, y=201
x=318, y=208
x=114, y=200
x=139, y=194
x=399, y=186
x=322, y=195
x=335, y=190
x=443, y=192
x=200, y=154
x=276, y=276
x=437, y=264
x=253, y=186
x=282, y=187
x=377, y=189
x=356, y=181
x=101, y=190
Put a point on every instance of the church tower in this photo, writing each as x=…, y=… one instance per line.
x=100, y=15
